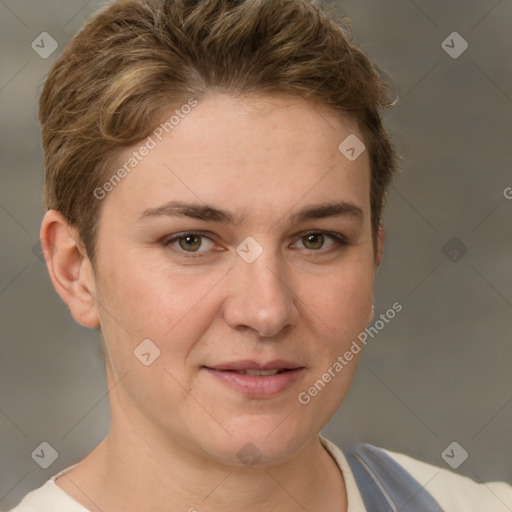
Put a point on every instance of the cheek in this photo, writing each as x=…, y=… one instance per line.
x=172, y=308
x=151, y=303
x=343, y=299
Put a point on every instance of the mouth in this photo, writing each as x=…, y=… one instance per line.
x=261, y=373
x=257, y=380
x=250, y=365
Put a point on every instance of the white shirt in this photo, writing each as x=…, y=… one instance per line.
x=453, y=492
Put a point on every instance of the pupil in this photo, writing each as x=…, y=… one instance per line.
x=190, y=242
x=315, y=240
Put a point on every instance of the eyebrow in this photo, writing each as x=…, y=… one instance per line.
x=210, y=213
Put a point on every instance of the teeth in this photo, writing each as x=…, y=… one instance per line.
x=263, y=373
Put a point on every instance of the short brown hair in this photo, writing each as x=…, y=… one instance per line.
x=135, y=59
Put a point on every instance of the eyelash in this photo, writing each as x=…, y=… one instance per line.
x=339, y=242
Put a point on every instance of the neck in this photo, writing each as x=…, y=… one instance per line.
x=132, y=472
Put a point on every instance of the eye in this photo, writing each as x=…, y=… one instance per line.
x=317, y=241
x=190, y=242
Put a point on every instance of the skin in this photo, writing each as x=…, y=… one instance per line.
x=176, y=430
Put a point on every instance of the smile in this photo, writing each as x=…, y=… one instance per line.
x=255, y=383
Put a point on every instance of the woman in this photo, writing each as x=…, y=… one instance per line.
x=215, y=175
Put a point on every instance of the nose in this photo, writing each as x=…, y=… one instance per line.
x=261, y=297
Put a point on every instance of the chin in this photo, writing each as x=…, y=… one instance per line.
x=258, y=442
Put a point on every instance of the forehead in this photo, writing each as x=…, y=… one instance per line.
x=268, y=153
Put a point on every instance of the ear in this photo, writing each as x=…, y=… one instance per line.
x=69, y=267
x=379, y=249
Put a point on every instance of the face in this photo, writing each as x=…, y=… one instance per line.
x=241, y=242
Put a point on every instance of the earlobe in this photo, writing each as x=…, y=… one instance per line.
x=371, y=315
x=69, y=268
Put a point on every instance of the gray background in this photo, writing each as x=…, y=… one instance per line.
x=437, y=373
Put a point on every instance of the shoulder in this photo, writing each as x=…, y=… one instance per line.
x=414, y=484
x=49, y=497
x=454, y=491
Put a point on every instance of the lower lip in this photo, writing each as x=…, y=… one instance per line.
x=257, y=386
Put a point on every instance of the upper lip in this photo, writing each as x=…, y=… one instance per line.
x=249, y=364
